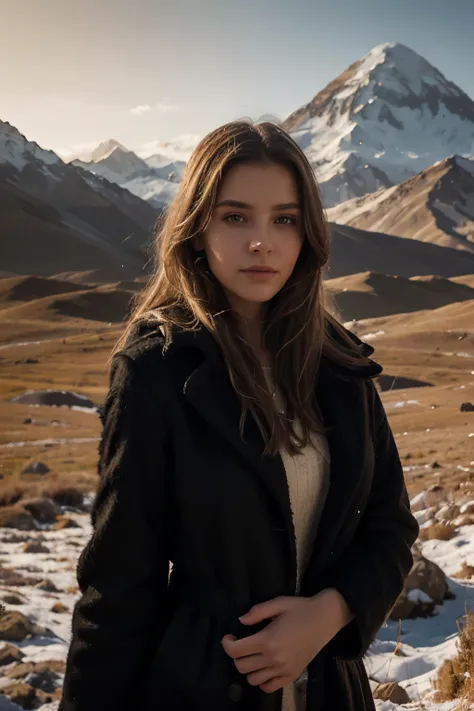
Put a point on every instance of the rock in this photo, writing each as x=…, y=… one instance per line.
x=43, y=510
x=16, y=517
x=24, y=695
x=15, y=627
x=47, y=585
x=467, y=407
x=434, y=495
x=12, y=577
x=65, y=522
x=28, y=421
x=447, y=512
x=436, y=465
x=59, y=608
x=16, y=538
x=35, y=547
x=428, y=578
x=69, y=496
x=391, y=691
x=36, y=468
x=10, y=654
x=464, y=520
x=13, y=599
x=40, y=675
x=54, y=398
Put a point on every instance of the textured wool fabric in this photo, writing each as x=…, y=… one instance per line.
x=308, y=478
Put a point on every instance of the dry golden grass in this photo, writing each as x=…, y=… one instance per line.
x=64, y=489
x=439, y=531
x=455, y=678
x=432, y=431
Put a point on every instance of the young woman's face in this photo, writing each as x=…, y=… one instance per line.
x=256, y=223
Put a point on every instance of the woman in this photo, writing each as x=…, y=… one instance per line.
x=245, y=442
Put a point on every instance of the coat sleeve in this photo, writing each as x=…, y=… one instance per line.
x=123, y=571
x=371, y=572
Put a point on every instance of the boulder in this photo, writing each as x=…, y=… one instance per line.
x=12, y=599
x=467, y=407
x=16, y=517
x=425, y=587
x=9, y=653
x=15, y=627
x=59, y=608
x=448, y=512
x=42, y=509
x=47, y=585
x=36, y=468
x=391, y=691
x=40, y=675
x=35, y=547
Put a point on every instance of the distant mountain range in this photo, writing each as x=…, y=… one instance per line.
x=390, y=141
x=154, y=179
x=437, y=206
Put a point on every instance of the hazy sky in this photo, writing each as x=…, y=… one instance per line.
x=76, y=72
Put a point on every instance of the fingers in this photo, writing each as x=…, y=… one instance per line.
x=262, y=676
x=254, y=644
x=252, y=663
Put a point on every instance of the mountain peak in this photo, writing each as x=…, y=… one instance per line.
x=387, y=117
x=105, y=148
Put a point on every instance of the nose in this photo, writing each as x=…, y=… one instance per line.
x=261, y=245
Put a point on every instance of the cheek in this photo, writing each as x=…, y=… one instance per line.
x=219, y=247
x=292, y=248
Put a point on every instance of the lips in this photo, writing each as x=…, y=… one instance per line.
x=264, y=270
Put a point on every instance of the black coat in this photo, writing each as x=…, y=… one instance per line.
x=177, y=483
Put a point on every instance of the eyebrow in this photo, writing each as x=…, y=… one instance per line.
x=246, y=206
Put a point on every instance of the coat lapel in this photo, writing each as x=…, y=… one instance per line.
x=212, y=395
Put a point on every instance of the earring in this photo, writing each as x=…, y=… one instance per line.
x=201, y=255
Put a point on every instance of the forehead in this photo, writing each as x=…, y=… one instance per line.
x=257, y=183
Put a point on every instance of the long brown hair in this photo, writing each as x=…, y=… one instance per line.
x=183, y=293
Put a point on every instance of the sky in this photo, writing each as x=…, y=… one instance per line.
x=77, y=72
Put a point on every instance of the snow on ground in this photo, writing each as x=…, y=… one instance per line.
x=425, y=642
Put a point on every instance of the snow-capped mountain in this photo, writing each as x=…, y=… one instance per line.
x=437, y=206
x=154, y=179
x=59, y=217
x=390, y=115
x=18, y=152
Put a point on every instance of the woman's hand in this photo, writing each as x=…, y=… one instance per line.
x=300, y=628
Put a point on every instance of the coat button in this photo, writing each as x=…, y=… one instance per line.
x=234, y=692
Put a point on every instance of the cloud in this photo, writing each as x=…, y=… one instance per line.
x=179, y=148
x=164, y=105
x=78, y=150
x=140, y=109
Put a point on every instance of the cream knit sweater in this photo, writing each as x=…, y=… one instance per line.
x=308, y=479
